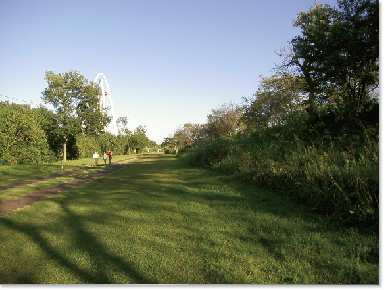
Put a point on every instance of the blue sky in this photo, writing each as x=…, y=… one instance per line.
x=168, y=62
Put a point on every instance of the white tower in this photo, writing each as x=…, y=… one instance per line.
x=101, y=80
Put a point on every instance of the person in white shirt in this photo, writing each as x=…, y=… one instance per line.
x=96, y=156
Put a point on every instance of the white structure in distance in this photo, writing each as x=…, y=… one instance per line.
x=101, y=80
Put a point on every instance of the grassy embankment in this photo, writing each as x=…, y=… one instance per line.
x=331, y=166
x=160, y=221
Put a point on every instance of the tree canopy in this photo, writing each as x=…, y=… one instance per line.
x=277, y=97
x=76, y=104
x=139, y=139
x=225, y=121
x=337, y=52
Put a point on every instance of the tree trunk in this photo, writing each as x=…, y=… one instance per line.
x=65, y=149
x=312, y=100
x=312, y=105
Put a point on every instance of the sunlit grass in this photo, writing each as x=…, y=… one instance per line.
x=15, y=173
x=26, y=189
x=159, y=221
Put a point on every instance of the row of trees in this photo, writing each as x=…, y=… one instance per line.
x=224, y=121
x=333, y=63
x=76, y=127
x=311, y=130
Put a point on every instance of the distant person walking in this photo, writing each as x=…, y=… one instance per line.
x=96, y=157
x=104, y=157
x=110, y=156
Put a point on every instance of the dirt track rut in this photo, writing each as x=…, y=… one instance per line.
x=10, y=205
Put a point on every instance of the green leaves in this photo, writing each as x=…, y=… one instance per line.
x=139, y=138
x=338, y=51
x=277, y=97
x=225, y=121
x=76, y=103
x=22, y=140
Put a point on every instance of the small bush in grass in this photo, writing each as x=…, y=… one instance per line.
x=212, y=153
x=169, y=151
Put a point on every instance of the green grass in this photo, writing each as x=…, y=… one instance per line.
x=26, y=189
x=27, y=172
x=160, y=221
x=15, y=173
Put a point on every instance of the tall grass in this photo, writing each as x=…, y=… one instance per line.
x=336, y=173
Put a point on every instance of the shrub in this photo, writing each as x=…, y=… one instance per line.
x=22, y=141
x=212, y=153
x=334, y=170
x=86, y=145
x=169, y=151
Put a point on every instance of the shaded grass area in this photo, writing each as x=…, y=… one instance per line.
x=11, y=174
x=159, y=221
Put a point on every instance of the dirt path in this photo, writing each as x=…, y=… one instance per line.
x=10, y=205
x=29, y=181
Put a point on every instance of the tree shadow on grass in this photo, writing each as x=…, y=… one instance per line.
x=142, y=179
x=84, y=242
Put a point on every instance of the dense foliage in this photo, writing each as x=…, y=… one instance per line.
x=76, y=105
x=337, y=52
x=75, y=128
x=331, y=166
x=312, y=129
x=22, y=139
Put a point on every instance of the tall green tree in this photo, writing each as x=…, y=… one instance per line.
x=277, y=97
x=337, y=52
x=76, y=104
x=187, y=136
x=357, y=37
x=124, y=136
x=225, y=121
x=139, y=140
x=311, y=48
x=121, y=123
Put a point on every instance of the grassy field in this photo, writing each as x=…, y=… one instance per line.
x=160, y=221
x=12, y=174
x=15, y=173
